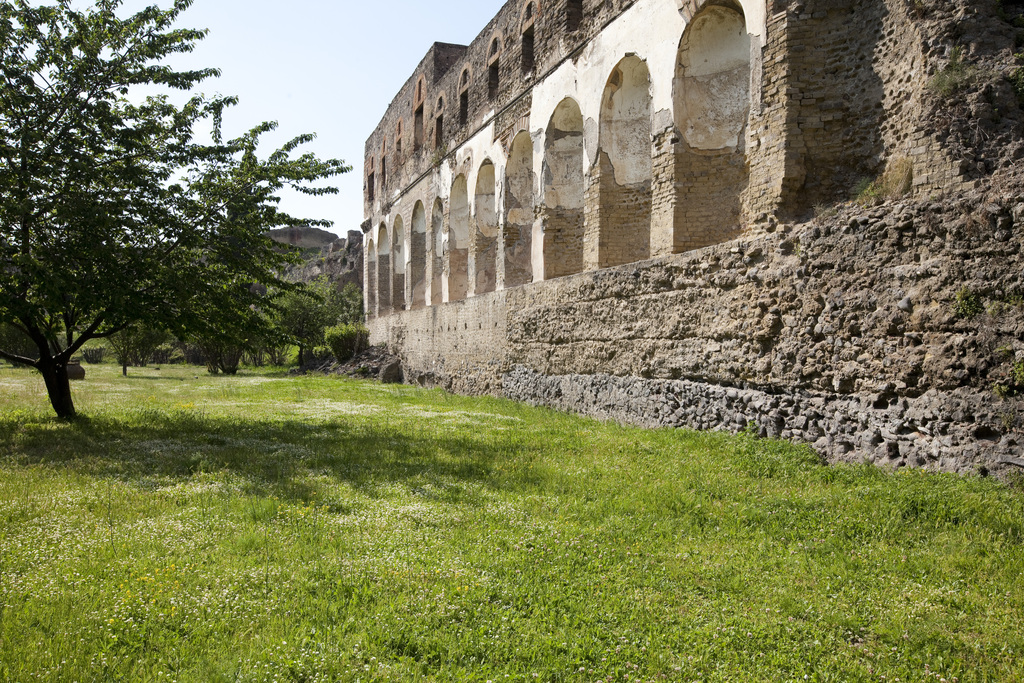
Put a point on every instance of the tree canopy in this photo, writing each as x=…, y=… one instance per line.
x=116, y=209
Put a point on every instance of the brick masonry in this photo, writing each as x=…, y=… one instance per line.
x=660, y=284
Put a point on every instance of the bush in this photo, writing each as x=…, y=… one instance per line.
x=134, y=346
x=897, y=181
x=968, y=304
x=94, y=355
x=956, y=76
x=221, y=356
x=305, y=312
x=168, y=354
x=345, y=341
x=262, y=356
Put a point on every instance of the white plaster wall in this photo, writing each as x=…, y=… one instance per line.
x=650, y=29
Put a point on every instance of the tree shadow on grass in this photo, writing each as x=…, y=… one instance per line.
x=276, y=457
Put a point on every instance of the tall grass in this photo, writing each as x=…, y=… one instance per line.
x=262, y=528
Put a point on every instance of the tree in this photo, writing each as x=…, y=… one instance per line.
x=305, y=313
x=111, y=212
x=135, y=345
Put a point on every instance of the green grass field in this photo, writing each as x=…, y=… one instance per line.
x=270, y=528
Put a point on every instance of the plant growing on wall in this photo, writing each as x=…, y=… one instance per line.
x=111, y=213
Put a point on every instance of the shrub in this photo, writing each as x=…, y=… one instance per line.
x=345, y=341
x=134, y=346
x=221, y=356
x=270, y=354
x=168, y=354
x=305, y=313
x=897, y=181
x=93, y=355
x=957, y=75
x=968, y=304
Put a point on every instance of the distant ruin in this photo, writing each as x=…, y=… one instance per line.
x=609, y=207
x=340, y=260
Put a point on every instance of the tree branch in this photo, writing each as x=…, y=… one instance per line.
x=21, y=360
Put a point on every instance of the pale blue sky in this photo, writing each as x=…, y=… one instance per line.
x=330, y=68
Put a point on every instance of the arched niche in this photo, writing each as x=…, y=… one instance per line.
x=371, y=277
x=437, y=253
x=398, y=263
x=456, y=256
x=711, y=100
x=712, y=85
x=519, y=213
x=484, y=252
x=384, y=284
x=564, y=183
x=625, y=167
x=418, y=257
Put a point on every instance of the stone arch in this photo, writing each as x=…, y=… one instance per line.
x=624, y=168
x=564, y=183
x=398, y=264
x=711, y=102
x=689, y=9
x=436, y=244
x=483, y=255
x=519, y=213
x=384, y=283
x=456, y=255
x=371, y=277
x=418, y=257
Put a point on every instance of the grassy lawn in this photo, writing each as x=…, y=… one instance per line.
x=269, y=528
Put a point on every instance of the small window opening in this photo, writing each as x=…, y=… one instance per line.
x=370, y=186
x=573, y=15
x=493, y=74
x=398, y=138
x=383, y=172
x=417, y=129
x=464, y=98
x=439, y=123
x=528, y=51
x=493, y=80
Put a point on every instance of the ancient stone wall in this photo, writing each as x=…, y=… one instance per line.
x=852, y=335
x=612, y=188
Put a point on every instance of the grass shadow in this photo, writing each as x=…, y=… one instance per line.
x=277, y=457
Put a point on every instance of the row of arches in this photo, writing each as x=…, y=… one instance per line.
x=558, y=207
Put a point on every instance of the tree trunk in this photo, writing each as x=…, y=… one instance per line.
x=58, y=387
x=302, y=363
